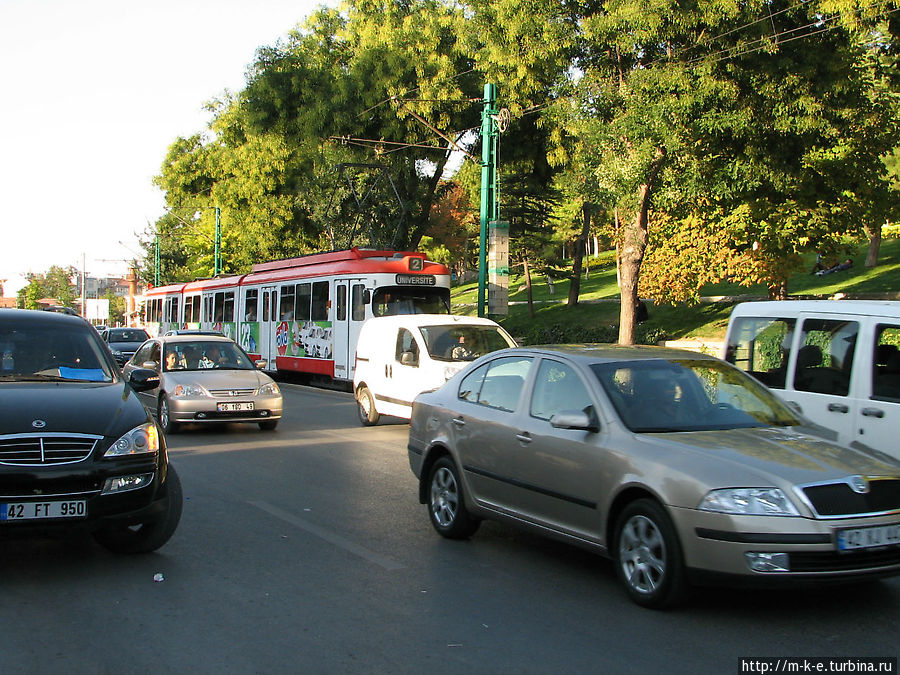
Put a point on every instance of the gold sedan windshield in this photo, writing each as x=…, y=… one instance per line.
x=686, y=395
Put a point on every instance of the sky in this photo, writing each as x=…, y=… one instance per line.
x=93, y=94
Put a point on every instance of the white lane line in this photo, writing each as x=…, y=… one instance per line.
x=361, y=551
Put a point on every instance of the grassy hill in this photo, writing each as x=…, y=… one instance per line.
x=596, y=316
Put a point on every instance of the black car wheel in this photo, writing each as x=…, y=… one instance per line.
x=268, y=425
x=365, y=407
x=446, y=505
x=648, y=555
x=149, y=536
x=165, y=418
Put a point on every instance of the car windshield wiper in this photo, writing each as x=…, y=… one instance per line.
x=32, y=377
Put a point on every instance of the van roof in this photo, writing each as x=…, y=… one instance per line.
x=889, y=308
x=429, y=320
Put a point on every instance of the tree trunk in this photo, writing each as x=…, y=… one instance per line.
x=778, y=290
x=874, y=234
x=528, y=289
x=580, y=246
x=634, y=244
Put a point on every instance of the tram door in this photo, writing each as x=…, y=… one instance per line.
x=268, y=349
x=349, y=315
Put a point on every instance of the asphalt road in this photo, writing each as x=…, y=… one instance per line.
x=306, y=551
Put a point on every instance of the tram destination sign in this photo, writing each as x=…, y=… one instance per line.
x=415, y=280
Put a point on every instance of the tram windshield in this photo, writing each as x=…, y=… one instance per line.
x=392, y=300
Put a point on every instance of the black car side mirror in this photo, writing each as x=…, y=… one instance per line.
x=143, y=379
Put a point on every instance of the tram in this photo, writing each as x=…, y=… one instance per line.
x=304, y=314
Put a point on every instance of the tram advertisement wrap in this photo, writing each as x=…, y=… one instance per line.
x=310, y=339
x=249, y=337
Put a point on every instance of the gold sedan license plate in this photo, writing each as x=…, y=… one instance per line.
x=868, y=537
x=39, y=510
x=234, y=407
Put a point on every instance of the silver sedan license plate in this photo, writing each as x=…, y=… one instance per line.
x=234, y=407
x=868, y=537
x=38, y=510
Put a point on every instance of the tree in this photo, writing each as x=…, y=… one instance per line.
x=703, y=112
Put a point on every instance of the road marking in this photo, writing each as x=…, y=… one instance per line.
x=331, y=538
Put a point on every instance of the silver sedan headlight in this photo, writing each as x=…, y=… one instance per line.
x=142, y=440
x=187, y=390
x=270, y=389
x=749, y=502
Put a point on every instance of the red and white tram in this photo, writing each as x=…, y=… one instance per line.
x=304, y=314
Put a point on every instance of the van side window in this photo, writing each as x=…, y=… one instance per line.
x=886, y=375
x=406, y=343
x=760, y=347
x=825, y=357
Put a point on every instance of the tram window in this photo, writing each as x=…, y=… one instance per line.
x=266, y=304
x=229, y=306
x=392, y=300
x=286, y=311
x=320, y=301
x=174, y=309
x=358, y=308
x=192, y=309
x=341, y=303
x=251, y=301
x=304, y=297
x=219, y=307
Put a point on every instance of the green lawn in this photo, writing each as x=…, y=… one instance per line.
x=597, y=313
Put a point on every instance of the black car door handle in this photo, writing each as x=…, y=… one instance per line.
x=873, y=412
x=838, y=407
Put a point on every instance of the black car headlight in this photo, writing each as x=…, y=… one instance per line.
x=142, y=440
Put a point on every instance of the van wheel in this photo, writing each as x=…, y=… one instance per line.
x=365, y=407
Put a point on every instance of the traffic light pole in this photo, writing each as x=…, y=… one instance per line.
x=488, y=178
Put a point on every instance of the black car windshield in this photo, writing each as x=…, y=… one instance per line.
x=39, y=352
x=689, y=395
x=205, y=355
x=463, y=342
x=126, y=335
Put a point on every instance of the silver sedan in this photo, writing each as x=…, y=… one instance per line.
x=676, y=465
x=206, y=378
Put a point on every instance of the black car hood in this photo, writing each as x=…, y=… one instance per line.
x=69, y=407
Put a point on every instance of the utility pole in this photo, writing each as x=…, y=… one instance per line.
x=218, y=263
x=156, y=265
x=489, y=209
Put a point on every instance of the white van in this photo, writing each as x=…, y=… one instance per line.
x=399, y=357
x=837, y=360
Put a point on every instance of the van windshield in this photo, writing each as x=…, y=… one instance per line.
x=463, y=343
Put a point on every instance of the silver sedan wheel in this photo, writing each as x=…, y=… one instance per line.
x=444, y=497
x=642, y=554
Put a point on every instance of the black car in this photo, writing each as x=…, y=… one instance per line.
x=123, y=342
x=77, y=447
